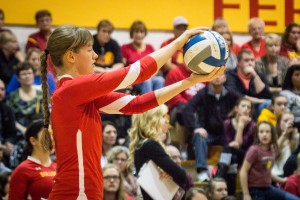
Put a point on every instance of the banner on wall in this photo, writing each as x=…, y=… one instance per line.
x=156, y=14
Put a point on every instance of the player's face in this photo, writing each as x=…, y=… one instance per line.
x=111, y=180
x=85, y=60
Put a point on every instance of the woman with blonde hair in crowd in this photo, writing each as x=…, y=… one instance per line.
x=33, y=57
x=119, y=156
x=146, y=145
x=8, y=59
x=114, y=184
x=272, y=64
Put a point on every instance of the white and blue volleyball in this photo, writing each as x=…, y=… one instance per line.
x=203, y=52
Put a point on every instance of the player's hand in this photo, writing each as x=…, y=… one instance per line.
x=186, y=35
x=218, y=71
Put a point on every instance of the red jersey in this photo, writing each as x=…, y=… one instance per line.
x=76, y=104
x=31, y=180
x=131, y=54
x=178, y=74
x=260, y=52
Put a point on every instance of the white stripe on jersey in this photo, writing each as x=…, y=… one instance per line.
x=114, y=107
x=131, y=76
x=81, y=194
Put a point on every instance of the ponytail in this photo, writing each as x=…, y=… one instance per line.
x=46, y=138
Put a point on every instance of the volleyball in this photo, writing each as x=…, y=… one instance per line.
x=203, y=52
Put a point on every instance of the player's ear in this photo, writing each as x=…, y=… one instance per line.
x=70, y=57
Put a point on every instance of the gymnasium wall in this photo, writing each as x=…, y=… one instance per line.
x=157, y=14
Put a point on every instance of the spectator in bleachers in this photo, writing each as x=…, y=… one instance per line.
x=278, y=106
x=272, y=64
x=146, y=145
x=33, y=178
x=231, y=62
x=217, y=189
x=4, y=185
x=119, y=156
x=291, y=89
x=290, y=44
x=18, y=54
x=25, y=102
x=238, y=136
x=8, y=131
x=256, y=28
x=39, y=39
x=256, y=170
x=136, y=50
x=8, y=59
x=203, y=115
x=43, y=19
x=288, y=141
x=220, y=25
x=114, y=184
x=107, y=49
x=109, y=138
x=2, y=21
x=180, y=24
x=246, y=81
x=292, y=184
x=175, y=156
x=33, y=57
x=177, y=103
x=196, y=193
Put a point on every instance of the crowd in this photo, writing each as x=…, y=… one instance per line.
x=252, y=112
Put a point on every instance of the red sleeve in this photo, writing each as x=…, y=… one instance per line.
x=120, y=103
x=87, y=88
x=291, y=186
x=18, y=184
x=179, y=98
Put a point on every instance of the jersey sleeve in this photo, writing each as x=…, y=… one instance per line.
x=120, y=103
x=87, y=88
x=18, y=184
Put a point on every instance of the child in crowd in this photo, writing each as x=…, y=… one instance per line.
x=256, y=170
x=238, y=136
